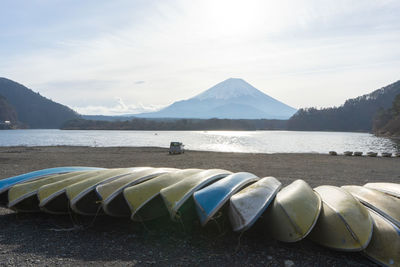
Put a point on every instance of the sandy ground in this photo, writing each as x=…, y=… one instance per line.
x=41, y=239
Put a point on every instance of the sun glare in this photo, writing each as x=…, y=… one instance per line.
x=235, y=17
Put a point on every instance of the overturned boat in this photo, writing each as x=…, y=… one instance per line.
x=53, y=197
x=82, y=195
x=210, y=199
x=246, y=206
x=23, y=197
x=344, y=223
x=5, y=184
x=144, y=200
x=387, y=188
x=293, y=213
x=113, y=202
x=176, y=195
x=384, y=247
x=386, y=205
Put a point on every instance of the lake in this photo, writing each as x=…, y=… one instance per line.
x=226, y=141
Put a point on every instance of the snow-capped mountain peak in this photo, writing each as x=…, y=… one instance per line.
x=230, y=99
x=230, y=88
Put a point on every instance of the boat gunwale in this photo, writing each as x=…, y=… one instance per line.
x=45, y=201
x=120, y=190
x=134, y=213
x=317, y=216
x=83, y=193
x=387, y=192
x=11, y=204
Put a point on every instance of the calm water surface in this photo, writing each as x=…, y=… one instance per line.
x=227, y=141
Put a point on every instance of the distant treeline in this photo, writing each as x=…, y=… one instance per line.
x=179, y=124
x=354, y=115
x=387, y=122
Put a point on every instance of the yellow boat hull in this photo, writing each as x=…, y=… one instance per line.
x=144, y=199
x=82, y=195
x=53, y=198
x=344, y=223
x=392, y=189
x=22, y=197
x=293, y=213
x=386, y=205
x=384, y=247
x=113, y=202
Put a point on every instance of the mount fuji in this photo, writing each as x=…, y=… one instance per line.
x=231, y=99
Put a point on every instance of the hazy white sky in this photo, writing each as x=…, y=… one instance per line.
x=118, y=56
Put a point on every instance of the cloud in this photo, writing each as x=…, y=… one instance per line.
x=296, y=51
x=120, y=108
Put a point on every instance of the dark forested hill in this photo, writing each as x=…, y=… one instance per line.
x=33, y=109
x=7, y=112
x=355, y=114
x=387, y=122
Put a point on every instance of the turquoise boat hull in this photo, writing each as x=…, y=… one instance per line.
x=211, y=198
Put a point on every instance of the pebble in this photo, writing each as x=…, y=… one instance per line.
x=288, y=263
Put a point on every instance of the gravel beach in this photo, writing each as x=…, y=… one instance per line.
x=48, y=240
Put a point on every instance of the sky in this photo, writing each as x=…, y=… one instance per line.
x=128, y=56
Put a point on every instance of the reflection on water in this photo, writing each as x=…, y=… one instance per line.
x=229, y=141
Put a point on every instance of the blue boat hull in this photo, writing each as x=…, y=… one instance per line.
x=211, y=198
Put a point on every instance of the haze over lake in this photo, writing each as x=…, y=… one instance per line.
x=223, y=141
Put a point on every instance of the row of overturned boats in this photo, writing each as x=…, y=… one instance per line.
x=369, y=154
x=348, y=218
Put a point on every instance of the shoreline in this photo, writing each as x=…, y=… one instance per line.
x=44, y=239
x=315, y=168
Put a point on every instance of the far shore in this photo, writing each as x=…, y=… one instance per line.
x=48, y=240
